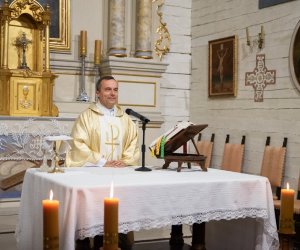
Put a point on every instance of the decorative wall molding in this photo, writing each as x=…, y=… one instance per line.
x=132, y=66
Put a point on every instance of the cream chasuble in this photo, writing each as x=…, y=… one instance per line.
x=100, y=134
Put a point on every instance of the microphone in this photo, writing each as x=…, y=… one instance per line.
x=137, y=115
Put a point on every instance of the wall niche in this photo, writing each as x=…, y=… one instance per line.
x=295, y=57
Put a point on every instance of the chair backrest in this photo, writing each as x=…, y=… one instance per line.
x=298, y=193
x=205, y=148
x=273, y=164
x=233, y=155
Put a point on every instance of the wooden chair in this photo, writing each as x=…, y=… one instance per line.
x=233, y=155
x=205, y=148
x=273, y=165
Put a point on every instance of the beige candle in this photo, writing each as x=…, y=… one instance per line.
x=110, y=239
x=50, y=223
x=286, y=223
x=83, y=43
x=97, y=56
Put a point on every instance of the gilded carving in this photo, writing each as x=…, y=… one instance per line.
x=162, y=45
x=25, y=76
x=25, y=102
x=32, y=6
x=5, y=12
x=27, y=72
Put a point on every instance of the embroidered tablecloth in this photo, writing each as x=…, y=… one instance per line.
x=146, y=200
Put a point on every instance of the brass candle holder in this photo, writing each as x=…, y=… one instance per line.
x=286, y=241
x=83, y=97
x=259, y=41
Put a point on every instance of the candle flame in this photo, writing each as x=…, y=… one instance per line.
x=112, y=189
x=51, y=195
x=287, y=186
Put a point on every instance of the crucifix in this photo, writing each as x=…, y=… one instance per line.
x=23, y=42
x=260, y=78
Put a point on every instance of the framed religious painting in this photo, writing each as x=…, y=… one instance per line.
x=222, y=65
x=294, y=57
x=60, y=23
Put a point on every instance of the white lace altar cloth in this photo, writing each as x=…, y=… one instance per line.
x=146, y=200
x=24, y=139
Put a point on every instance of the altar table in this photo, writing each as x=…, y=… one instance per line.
x=146, y=200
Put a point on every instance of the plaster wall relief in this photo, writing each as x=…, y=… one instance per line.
x=260, y=77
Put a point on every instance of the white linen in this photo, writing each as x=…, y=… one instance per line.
x=146, y=200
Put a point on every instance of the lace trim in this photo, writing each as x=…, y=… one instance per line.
x=260, y=214
x=25, y=140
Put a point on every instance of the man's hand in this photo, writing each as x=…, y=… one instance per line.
x=115, y=164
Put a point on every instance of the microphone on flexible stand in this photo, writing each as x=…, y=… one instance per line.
x=144, y=121
x=137, y=115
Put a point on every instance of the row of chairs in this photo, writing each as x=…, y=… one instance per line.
x=272, y=167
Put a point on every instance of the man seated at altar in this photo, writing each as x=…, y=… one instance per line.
x=104, y=136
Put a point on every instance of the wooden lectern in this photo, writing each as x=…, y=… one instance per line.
x=180, y=139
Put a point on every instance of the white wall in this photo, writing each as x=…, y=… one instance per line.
x=175, y=89
x=278, y=115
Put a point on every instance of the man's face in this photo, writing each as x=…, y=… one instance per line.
x=108, y=93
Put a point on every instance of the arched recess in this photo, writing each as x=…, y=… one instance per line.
x=294, y=59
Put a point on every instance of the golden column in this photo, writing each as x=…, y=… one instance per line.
x=117, y=28
x=143, y=29
x=46, y=22
x=6, y=15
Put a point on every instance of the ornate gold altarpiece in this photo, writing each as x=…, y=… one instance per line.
x=26, y=82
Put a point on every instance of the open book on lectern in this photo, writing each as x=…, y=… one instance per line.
x=174, y=138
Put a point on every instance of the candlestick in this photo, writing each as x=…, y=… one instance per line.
x=110, y=239
x=83, y=97
x=83, y=43
x=286, y=223
x=50, y=223
x=97, y=55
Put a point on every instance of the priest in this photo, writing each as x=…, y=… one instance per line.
x=104, y=135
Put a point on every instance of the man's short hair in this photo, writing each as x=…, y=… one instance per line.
x=98, y=85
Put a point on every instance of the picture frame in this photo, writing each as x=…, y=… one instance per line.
x=222, y=67
x=59, y=24
x=267, y=3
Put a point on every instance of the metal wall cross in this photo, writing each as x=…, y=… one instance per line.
x=260, y=78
